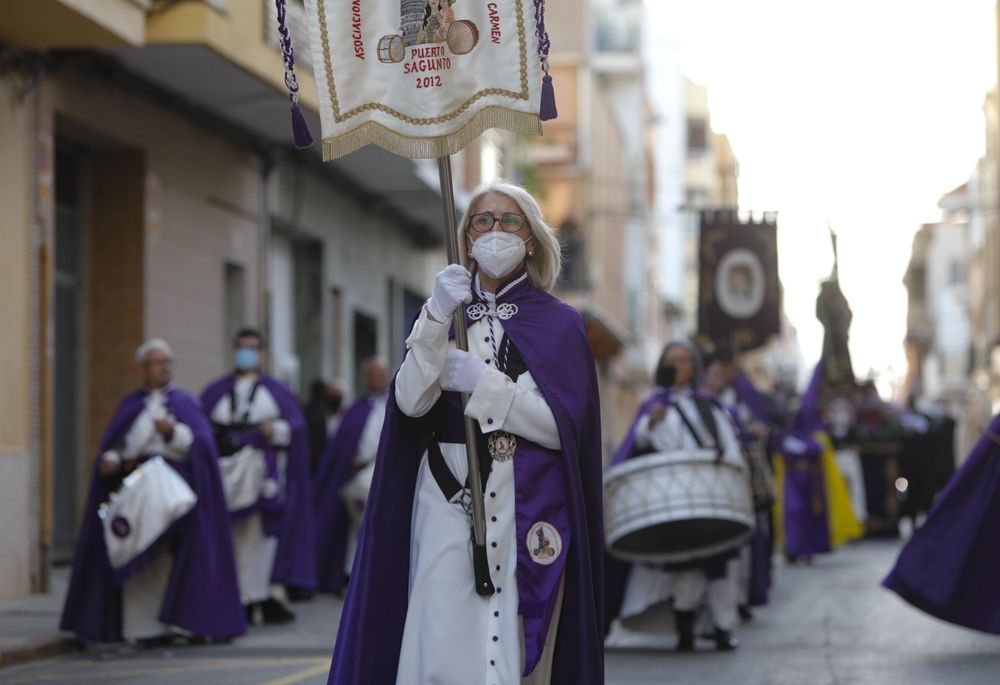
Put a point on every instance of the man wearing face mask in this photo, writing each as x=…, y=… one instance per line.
x=263, y=443
x=416, y=617
x=648, y=598
x=349, y=454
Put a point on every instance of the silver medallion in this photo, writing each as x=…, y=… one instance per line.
x=502, y=445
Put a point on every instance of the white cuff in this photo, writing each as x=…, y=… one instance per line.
x=281, y=433
x=182, y=438
x=641, y=433
x=491, y=400
x=427, y=331
x=112, y=456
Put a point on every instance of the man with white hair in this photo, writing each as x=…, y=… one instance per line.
x=263, y=441
x=154, y=559
x=348, y=460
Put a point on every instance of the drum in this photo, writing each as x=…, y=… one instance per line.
x=391, y=49
x=672, y=507
x=462, y=37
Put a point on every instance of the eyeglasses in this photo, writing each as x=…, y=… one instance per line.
x=510, y=222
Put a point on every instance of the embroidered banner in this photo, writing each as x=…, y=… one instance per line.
x=739, y=293
x=423, y=78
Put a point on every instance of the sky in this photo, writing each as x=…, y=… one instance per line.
x=857, y=113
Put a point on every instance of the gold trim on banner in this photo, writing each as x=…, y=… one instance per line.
x=374, y=133
x=341, y=117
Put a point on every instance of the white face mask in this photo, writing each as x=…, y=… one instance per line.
x=498, y=253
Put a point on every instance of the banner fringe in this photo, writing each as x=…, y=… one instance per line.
x=374, y=133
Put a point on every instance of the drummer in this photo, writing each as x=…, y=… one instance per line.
x=644, y=597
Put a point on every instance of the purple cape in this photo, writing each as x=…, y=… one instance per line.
x=950, y=567
x=202, y=595
x=295, y=560
x=332, y=518
x=551, y=339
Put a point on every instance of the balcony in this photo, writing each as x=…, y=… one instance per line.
x=73, y=24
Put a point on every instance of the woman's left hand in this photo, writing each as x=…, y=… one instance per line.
x=462, y=371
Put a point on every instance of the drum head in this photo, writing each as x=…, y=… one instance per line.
x=462, y=36
x=689, y=538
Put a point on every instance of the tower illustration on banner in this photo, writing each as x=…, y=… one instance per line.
x=426, y=22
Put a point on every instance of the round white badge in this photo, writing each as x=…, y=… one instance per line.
x=544, y=543
x=739, y=283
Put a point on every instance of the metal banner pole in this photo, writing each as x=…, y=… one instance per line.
x=484, y=584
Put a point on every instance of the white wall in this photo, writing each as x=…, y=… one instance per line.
x=362, y=250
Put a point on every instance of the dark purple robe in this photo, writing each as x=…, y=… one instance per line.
x=292, y=517
x=561, y=486
x=951, y=565
x=334, y=471
x=805, y=519
x=202, y=595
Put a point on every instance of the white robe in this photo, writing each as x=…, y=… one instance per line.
x=452, y=635
x=142, y=592
x=255, y=551
x=649, y=589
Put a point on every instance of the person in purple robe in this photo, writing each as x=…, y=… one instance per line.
x=263, y=443
x=412, y=613
x=668, y=598
x=949, y=568
x=183, y=584
x=804, y=515
x=349, y=458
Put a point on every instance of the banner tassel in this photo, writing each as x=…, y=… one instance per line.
x=547, y=108
x=300, y=129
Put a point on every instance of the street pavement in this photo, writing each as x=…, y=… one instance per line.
x=829, y=624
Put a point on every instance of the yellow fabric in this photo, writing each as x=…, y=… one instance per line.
x=778, y=464
x=842, y=522
x=841, y=519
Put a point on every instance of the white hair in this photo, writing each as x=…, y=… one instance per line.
x=544, y=266
x=149, y=346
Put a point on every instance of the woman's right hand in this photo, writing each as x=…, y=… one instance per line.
x=452, y=287
x=657, y=414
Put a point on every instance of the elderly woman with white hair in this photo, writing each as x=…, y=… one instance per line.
x=415, y=617
x=154, y=560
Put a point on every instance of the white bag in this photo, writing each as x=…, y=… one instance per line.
x=355, y=492
x=150, y=499
x=242, y=478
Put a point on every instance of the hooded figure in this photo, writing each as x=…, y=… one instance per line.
x=412, y=614
x=186, y=579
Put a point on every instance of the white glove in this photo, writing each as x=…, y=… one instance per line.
x=452, y=287
x=462, y=372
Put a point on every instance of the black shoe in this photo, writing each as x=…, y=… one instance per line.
x=251, y=611
x=275, y=612
x=724, y=640
x=746, y=614
x=298, y=594
x=685, y=630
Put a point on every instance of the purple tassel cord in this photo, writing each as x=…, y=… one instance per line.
x=300, y=130
x=547, y=110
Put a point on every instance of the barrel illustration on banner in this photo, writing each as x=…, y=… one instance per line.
x=428, y=21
